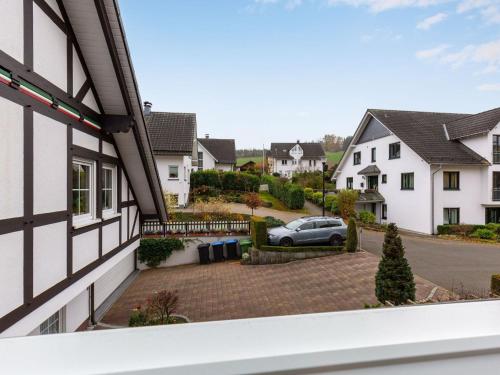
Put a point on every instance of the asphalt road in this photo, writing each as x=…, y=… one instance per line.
x=455, y=265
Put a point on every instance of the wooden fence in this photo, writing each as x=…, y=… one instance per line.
x=155, y=227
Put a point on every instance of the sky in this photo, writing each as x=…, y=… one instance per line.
x=262, y=71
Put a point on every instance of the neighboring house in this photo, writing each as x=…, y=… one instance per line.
x=248, y=166
x=77, y=172
x=216, y=153
x=309, y=157
x=423, y=169
x=173, y=137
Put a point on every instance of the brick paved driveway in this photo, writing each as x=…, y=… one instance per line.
x=231, y=291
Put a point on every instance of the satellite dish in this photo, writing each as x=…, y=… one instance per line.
x=296, y=152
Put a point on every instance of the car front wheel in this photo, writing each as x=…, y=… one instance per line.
x=287, y=242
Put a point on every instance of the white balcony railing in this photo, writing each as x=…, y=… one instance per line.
x=456, y=338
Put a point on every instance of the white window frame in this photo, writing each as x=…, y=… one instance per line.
x=90, y=216
x=168, y=171
x=113, y=210
x=61, y=326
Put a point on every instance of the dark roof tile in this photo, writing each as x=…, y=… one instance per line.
x=312, y=150
x=171, y=133
x=475, y=124
x=223, y=150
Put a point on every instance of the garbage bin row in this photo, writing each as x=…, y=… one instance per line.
x=218, y=250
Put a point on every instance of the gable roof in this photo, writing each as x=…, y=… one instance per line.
x=371, y=169
x=474, y=124
x=424, y=133
x=100, y=35
x=312, y=150
x=171, y=133
x=223, y=150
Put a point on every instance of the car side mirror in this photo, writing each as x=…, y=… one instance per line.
x=297, y=230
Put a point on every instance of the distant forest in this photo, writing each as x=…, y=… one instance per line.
x=330, y=142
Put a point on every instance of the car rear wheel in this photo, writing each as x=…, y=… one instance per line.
x=336, y=240
x=287, y=242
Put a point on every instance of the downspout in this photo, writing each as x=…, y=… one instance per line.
x=432, y=196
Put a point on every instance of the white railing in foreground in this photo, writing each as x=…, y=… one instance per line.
x=457, y=338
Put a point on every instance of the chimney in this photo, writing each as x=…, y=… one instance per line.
x=298, y=141
x=147, y=108
x=207, y=136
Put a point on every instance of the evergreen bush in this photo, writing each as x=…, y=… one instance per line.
x=351, y=243
x=258, y=228
x=308, y=193
x=153, y=251
x=394, y=280
x=367, y=217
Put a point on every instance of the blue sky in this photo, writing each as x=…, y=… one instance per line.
x=281, y=70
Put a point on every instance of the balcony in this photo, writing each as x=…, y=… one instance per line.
x=455, y=338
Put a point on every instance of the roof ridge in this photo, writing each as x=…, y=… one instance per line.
x=427, y=112
x=475, y=114
x=173, y=113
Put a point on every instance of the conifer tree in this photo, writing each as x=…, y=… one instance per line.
x=351, y=243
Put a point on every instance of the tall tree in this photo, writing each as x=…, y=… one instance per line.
x=394, y=280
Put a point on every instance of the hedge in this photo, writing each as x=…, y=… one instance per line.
x=258, y=229
x=299, y=249
x=153, y=251
x=459, y=229
x=234, y=181
x=292, y=195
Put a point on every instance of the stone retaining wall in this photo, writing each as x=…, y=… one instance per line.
x=277, y=257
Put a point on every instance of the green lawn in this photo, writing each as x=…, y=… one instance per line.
x=277, y=204
x=256, y=159
x=334, y=157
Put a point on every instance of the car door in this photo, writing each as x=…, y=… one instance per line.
x=305, y=234
x=324, y=230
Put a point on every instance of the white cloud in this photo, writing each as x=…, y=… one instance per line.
x=427, y=23
x=432, y=52
x=378, y=6
x=489, y=10
x=489, y=87
x=468, y=5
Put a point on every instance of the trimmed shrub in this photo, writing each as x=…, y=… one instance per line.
x=308, y=193
x=367, y=217
x=258, y=228
x=495, y=284
x=351, y=243
x=209, y=178
x=330, y=201
x=318, y=198
x=273, y=222
x=153, y=251
x=291, y=195
x=394, y=280
x=299, y=249
x=484, y=234
x=229, y=181
x=458, y=229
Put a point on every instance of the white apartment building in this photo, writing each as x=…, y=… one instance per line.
x=423, y=169
x=288, y=158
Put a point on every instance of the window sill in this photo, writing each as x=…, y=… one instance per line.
x=85, y=223
x=407, y=189
x=111, y=216
x=451, y=189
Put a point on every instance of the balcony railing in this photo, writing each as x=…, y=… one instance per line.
x=191, y=228
x=455, y=338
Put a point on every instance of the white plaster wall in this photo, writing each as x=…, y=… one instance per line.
x=11, y=159
x=50, y=165
x=409, y=209
x=79, y=76
x=124, y=224
x=106, y=284
x=289, y=169
x=483, y=145
x=133, y=211
x=49, y=256
x=49, y=49
x=189, y=255
x=27, y=324
x=124, y=187
x=110, y=237
x=11, y=29
x=208, y=160
x=90, y=101
x=85, y=140
x=11, y=272
x=224, y=167
x=468, y=198
x=179, y=186
x=85, y=249
x=108, y=149
x=77, y=311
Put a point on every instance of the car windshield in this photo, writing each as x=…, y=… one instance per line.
x=294, y=224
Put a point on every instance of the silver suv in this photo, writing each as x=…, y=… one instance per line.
x=308, y=231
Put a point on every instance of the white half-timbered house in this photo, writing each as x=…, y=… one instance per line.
x=76, y=168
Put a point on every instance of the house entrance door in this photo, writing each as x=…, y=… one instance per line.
x=372, y=182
